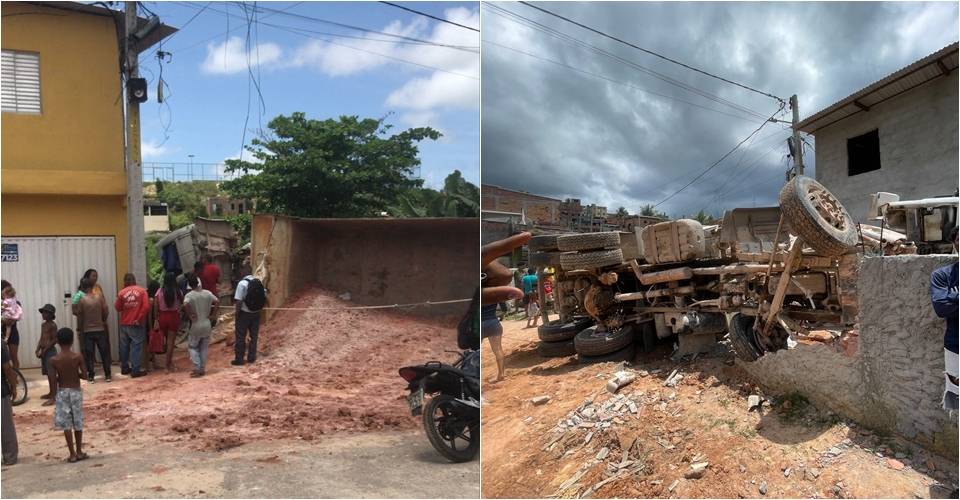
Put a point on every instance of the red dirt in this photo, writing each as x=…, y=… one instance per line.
x=705, y=414
x=318, y=372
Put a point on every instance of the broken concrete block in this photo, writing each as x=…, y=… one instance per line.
x=673, y=379
x=673, y=485
x=697, y=470
x=603, y=453
x=753, y=402
x=540, y=400
x=763, y=488
x=895, y=464
x=620, y=379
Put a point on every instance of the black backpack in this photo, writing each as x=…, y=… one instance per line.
x=256, y=296
x=468, y=330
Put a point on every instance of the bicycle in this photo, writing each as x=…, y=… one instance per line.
x=21, y=388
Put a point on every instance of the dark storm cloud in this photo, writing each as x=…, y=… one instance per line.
x=553, y=131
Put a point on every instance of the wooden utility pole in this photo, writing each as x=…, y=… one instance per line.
x=797, y=142
x=136, y=253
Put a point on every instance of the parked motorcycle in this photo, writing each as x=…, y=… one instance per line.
x=451, y=416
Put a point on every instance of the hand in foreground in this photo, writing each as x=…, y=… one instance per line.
x=497, y=287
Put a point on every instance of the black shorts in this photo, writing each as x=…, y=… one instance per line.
x=45, y=359
x=14, y=336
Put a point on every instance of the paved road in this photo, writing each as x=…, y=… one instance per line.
x=396, y=465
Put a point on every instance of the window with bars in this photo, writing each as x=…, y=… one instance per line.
x=20, y=82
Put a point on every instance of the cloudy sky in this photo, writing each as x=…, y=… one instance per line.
x=564, y=121
x=321, y=69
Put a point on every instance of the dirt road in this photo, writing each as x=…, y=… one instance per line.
x=321, y=413
x=788, y=449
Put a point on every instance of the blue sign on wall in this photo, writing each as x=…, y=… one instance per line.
x=10, y=252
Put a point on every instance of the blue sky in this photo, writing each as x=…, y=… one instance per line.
x=323, y=76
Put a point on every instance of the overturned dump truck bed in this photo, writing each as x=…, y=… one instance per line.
x=181, y=248
x=763, y=274
x=376, y=261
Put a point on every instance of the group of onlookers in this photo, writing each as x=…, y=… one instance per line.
x=149, y=324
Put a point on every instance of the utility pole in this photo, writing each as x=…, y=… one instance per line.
x=797, y=142
x=136, y=253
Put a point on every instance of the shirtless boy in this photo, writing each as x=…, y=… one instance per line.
x=46, y=348
x=68, y=413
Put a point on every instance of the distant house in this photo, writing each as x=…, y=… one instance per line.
x=630, y=222
x=222, y=206
x=155, y=216
x=536, y=208
x=897, y=135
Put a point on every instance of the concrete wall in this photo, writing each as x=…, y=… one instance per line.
x=379, y=261
x=918, y=147
x=893, y=382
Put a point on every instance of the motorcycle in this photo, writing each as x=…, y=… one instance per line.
x=451, y=417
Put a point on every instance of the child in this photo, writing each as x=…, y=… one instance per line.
x=11, y=311
x=46, y=348
x=533, y=309
x=68, y=414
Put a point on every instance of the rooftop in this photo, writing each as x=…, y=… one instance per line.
x=933, y=66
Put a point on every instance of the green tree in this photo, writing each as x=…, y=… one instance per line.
x=704, y=218
x=348, y=167
x=458, y=198
x=622, y=212
x=649, y=211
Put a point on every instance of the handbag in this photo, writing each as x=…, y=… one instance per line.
x=156, y=342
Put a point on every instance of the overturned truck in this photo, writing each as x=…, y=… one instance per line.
x=762, y=274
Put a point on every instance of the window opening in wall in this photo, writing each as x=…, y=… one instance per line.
x=863, y=153
x=20, y=82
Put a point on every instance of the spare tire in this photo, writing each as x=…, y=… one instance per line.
x=591, y=260
x=592, y=342
x=817, y=217
x=588, y=241
x=545, y=259
x=543, y=243
x=555, y=331
x=626, y=354
x=742, y=338
x=556, y=349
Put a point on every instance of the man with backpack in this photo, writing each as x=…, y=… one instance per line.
x=249, y=300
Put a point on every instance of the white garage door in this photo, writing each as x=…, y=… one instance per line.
x=47, y=270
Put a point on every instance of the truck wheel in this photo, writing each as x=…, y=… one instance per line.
x=626, y=354
x=817, y=217
x=593, y=343
x=560, y=349
x=556, y=331
x=648, y=337
x=588, y=241
x=545, y=259
x=591, y=260
x=543, y=243
x=741, y=337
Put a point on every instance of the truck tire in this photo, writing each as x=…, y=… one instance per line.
x=626, y=354
x=741, y=338
x=588, y=241
x=560, y=349
x=648, y=337
x=555, y=331
x=545, y=259
x=591, y=260
x=817, y=217
x=543, y=243
x=590, y=342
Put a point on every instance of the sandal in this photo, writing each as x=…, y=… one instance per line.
x=82, y=456
x=72, y=459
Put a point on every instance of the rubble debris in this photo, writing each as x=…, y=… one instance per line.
x=620, y=379
x=540, y=400
x=754, y=401
x=344, y=296
x=674, y=378
x=763, y=488
x=786, y=472
x=895, y=464
x=697, y=470
x=673, y=485
x=812, y=473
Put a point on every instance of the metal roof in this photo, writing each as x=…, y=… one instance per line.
x=158, y=34
x=940, y=63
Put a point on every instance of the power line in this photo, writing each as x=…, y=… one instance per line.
x=618, y=82
x=624, y=42
x=359, y=28
x=701, y=174
x=431, y=16
x=517, y=18
x=181, y=28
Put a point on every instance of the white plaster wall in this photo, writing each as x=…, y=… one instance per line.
x=918, y=147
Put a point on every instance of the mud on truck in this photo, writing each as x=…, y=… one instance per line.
x=762, y=274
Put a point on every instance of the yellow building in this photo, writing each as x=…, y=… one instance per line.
x=62, y=177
